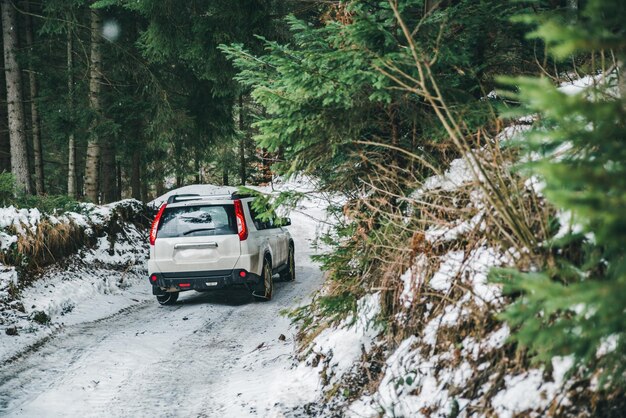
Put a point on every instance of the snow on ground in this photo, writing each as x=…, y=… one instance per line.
x=579, y=85
x=105, y=277
x=458, y=174
x=342, y=346
x=113, y=351
x=530, y=390
x=8, y=279
x=427, y=374
x=19, y=218
x=420, y=379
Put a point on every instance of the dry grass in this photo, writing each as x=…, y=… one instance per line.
x=392, y=226
x=47, y=244
x=392, y=229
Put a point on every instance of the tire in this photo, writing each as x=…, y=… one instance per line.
x=169, y=298
x=266, y=287
x=289, y=274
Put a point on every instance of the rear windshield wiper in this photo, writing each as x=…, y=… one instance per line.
x=198, y=230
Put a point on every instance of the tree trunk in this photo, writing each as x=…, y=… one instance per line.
x=225, y=176
x=92, y=163
x=34, y=108
x=621, y=78
x=17, y=132
x=71, y=141
x=429, y=5
x=242, y=144
x=266, y=166
x=158, y=173
x=145, y=194
x=5, y=145
x=109, y=178
x=118, y=189
x=160, y=188
x=135, y=176
x=572, y=10
x=196, y=166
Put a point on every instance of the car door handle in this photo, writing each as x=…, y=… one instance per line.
x=196, y=245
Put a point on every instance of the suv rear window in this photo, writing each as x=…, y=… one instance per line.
x=200, y=220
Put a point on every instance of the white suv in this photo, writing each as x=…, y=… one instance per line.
x=211, y=242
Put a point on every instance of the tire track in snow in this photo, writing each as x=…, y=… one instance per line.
x=150, y=360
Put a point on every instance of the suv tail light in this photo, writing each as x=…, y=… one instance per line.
x=242, y=228
x=155, y=224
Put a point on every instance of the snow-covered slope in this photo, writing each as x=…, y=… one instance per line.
x=457, y=360
x=100, y=278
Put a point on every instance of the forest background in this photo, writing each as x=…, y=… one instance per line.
x=118, y=98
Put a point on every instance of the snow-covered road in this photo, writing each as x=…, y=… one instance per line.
x=209, y=355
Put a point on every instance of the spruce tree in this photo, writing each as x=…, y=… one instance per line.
x=575, y=305
x=14, y=85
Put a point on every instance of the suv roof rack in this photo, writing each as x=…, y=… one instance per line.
x=191, y=197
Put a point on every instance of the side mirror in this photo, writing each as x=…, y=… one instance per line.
x=286, y=221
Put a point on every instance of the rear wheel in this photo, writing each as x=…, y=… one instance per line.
x=289, y=274
x=266, y=288
x=169, y=298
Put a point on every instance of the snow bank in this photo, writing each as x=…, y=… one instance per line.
x=8, y=280
x=579, y=85
x=90, y=284
x=529, y=391
x=458, y=174
x=19, y=218
x=456, y=362
x=342, y=346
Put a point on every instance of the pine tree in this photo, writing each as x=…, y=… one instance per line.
x=326, y=102
x=197, y=118
x=92, y=163
x=34, y=105
x=72, y=189
x=576, y=305
x=17, y=124
x=5, y=145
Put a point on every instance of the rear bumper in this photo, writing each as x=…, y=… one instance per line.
x=201, y=280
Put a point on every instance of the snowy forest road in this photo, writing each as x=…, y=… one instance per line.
x=209, y=355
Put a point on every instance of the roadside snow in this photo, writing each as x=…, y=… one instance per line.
x=89, y=285
x=8, y=279
x=578, y=85
x=458, y=174
x=443, y=234
x=342, y=346
x=412, y=385
x=222, y=359
x=412, y=280
x=428, y=372
x=471, y=268
x=529, y=391
x=512, y=132
x=19, y=219
x=415, y=385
